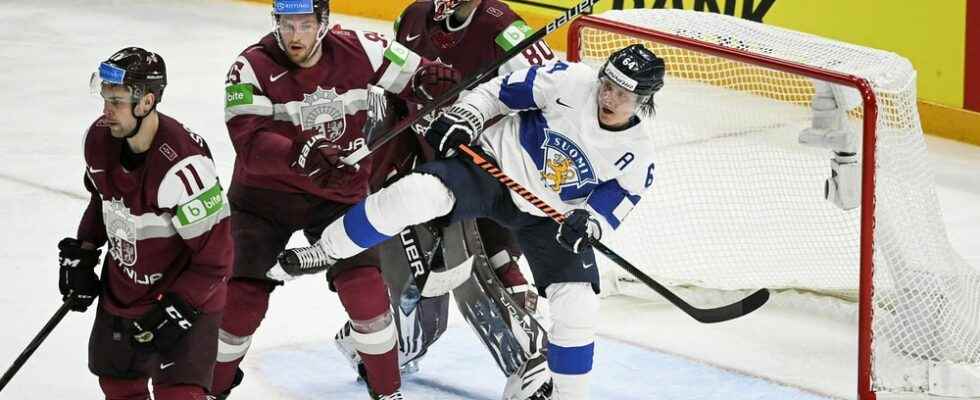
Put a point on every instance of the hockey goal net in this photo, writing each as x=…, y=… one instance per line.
x=738, y=203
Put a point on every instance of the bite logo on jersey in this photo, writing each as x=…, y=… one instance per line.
x=238, y=95
x=513, y=35
x=565, y=164
x=323, y=110
x=397, y=54
x=120, y=226
x=208, y=203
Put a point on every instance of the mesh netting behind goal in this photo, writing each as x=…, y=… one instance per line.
x=738, y=203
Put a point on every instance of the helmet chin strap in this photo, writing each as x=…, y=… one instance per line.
x=139, y=120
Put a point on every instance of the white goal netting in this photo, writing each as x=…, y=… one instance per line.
x=739, y=204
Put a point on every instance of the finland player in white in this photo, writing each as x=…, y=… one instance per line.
x=580, y=140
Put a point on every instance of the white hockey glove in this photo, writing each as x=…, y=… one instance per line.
x=578, y=231
x=462, y=124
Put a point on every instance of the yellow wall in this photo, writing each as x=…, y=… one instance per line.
x=929, y=33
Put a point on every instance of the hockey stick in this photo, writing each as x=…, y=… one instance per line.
x=487, y=71
x=704, y=315
x=24, y=355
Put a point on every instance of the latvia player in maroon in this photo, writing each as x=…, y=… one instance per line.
x=296, y=104
x=157, y=202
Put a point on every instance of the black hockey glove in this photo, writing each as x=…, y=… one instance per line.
x=77, y=281
x=460, y=125
x=578, y=231
x=164, y=325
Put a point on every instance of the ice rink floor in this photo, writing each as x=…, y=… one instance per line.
x=645, y=352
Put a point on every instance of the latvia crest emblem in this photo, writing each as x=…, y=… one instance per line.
x=120, y=225
x=323, y=110
x=565, y=165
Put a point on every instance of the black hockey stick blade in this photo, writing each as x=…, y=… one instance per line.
x=470, y=82
x=704, y=315
x=43, y=334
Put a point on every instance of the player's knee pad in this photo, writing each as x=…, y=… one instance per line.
x=123, y=389
x=389, y=211
x=246, y=304
x=363, y=293
x=178, y=392
x=575, y=312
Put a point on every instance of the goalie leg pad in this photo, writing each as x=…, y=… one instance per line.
x=364, y=295
x=571, y=347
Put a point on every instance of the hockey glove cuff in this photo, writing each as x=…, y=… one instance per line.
x=77, y=281
x=460, y=125
x=578, y=231
x=161, y=328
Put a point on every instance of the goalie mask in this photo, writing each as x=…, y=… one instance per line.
x=443, y=9
x=319, y=8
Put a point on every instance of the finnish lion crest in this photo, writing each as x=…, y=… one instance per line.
x=565, y=164
x=120, y=225
x=323, y=110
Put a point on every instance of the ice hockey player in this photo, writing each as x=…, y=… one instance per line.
x=295, y=105
x=581, y=142
x=466, y=35
x=157, y=202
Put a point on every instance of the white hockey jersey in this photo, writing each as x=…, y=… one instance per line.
x=555, y=147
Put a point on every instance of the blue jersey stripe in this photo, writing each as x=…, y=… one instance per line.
x=359, y=228
x=607, y=197
x=519, y=95
x=532, y=128
x=570, y=360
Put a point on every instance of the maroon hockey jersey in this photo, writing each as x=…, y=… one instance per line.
x=491, y=30
x=166, y=221
x=483, y=38
x=269, y=101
